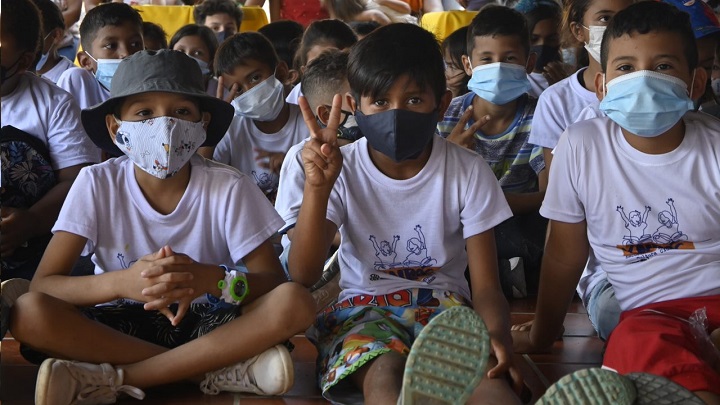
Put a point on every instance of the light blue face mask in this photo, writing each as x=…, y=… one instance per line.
x=43, y=57
x=204, y=67
x=105, y=71
x=499, y=83
x=646, y=103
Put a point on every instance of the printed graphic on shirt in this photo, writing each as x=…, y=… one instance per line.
x=416, y=264
x=639, y=245
x=268, y=183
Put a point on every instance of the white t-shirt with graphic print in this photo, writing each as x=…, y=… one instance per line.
x=653, y=220
x=237, y=147
x=220, y=219
x=399, y=234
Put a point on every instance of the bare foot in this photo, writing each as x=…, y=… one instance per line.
x=523, y=327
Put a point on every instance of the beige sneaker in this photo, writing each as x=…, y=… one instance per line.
x=269, y=373
x=64, y=382
x=10, y=290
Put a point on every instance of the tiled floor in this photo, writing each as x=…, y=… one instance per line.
x=578, y=349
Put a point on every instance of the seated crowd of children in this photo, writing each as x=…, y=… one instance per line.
x=212, y=178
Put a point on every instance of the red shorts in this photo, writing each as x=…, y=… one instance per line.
x=663, y=343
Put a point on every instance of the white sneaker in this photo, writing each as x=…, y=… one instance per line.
x=64, y=382
x=10, y=290
x=269, y=373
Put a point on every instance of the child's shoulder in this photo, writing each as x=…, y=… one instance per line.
x=76, y=74
x=702, y=123
x=40, y=92
x=557, y=93
x=218, y=171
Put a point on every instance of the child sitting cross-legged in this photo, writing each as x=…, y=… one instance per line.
x=165, y=303
x=413, y=211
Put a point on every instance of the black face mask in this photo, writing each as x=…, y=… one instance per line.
x=4, y=71
x=351, y=134
x=398, y=134
x=545, y=55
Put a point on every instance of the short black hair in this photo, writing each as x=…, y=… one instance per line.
x=212, y=7
x=155, y=32
x=548, y=10
x=651, y=16
x=22, y=22
x=237, y=49
x=114, y=14
x=392, y=51
x=456, y=45
x=204, y=33
x=325, y=32
x=324, y=76
x=285, y=35
x=495, y=20
x=363, y=28
x=51, y=16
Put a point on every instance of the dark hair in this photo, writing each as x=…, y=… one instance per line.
x=51, y=16
x=22, y=22
x=543, y=11
x=651, y=16
x=204, y=33
x=237, y=49
x=456, y=45
x=498, y=20
x=391, y=51
x=114, y=14
x=155, y=32
x=324, y=75
x=363, y=28
x=573, y=12
x=285, y=36
x=212, y=7
x=345, y=10
x=325, y=32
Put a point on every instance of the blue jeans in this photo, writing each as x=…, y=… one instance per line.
x=603, y=308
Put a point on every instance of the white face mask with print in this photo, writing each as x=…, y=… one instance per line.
x=160, y=146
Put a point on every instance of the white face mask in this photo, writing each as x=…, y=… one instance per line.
x=596, y=36
x=160, y=146
x=716, y=86
x=263, y=102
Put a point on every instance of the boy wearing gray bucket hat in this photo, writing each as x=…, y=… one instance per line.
x=152, y=315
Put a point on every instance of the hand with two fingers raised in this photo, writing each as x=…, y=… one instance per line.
x=321, y=155
x=465, y=137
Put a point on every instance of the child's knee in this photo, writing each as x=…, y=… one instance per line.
x=28, y=310
x=295, y=302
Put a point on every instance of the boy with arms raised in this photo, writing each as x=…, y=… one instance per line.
x=639, y=187
x=265, y=126
x=158, y=200
x=108, y=33
x=407, y=204
x=494, y=119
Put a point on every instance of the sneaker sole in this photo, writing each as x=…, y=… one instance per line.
x=43, y=382
x=447, y=360
x=653, y=389
x=592, y=386
x=288, y=369
x=10, y=290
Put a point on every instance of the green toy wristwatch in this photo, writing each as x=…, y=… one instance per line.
x=234, y=286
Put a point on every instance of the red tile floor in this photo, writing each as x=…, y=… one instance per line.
x=578, y=349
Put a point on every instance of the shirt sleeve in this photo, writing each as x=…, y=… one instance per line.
x=485, y=205
x=79, y=212
x=68, y=143
x=562, y=201
x=546, y=125
x=291, y=187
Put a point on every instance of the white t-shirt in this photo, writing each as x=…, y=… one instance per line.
x=291, y=186
x=653, y=220
x=54, y=74
x=557, y=108
x=399, y=234
x=81, y=83
x=219, y=220
x=237, y=147
x=538, y=84
x=50, y=114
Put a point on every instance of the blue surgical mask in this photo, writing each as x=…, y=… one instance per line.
x=264, y=102
x=221, y=36
x=499, y=83
x=646, y=103
x=398, y=134
x=204, y=67
x=106, y=69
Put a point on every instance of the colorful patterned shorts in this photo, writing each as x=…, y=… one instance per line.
x=354, y=331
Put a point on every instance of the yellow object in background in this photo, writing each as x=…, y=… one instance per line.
x=444, y=23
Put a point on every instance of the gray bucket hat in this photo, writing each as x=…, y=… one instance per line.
x=167, y=71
